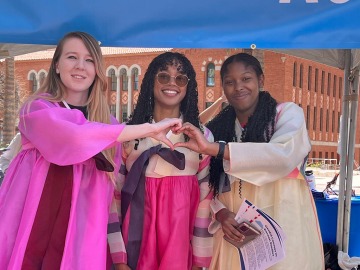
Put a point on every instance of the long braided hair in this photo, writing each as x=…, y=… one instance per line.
x=143, y=112
x=259, y=128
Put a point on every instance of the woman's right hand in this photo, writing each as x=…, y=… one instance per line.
x=157, y=131
x=229, y=224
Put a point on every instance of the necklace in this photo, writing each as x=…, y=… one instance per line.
x=66, y=105
x=83, y=109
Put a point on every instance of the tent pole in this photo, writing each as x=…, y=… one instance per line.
x=353, y=100
x=344, y=131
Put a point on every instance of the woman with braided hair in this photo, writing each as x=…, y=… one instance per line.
x=261, y=148
x=165, y=200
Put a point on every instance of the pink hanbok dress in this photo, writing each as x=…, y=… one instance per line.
x=176, y=211
x=56, y=136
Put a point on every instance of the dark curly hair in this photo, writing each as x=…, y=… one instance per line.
x=189, y=105
x=259, y=128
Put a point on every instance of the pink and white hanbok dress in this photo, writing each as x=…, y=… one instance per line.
x=176, y=212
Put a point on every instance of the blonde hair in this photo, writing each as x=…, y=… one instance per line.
x=98, y=108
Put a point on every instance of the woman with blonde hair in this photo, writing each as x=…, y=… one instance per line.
x=57, y=193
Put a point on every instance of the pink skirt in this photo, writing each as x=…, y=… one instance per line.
x=169, y=216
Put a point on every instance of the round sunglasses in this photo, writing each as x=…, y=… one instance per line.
x=181, y=80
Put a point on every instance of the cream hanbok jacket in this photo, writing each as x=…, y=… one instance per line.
x=272, y=179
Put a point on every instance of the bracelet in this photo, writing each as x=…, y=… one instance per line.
x=220, y=154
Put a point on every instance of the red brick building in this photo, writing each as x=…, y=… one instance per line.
x=317, y=88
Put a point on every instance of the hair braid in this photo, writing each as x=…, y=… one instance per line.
x=259, y=128
x=261, y=124
x=222, y=127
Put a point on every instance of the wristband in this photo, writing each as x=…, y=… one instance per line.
x=220, y=154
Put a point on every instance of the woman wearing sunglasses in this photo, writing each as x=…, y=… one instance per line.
x=166, y=212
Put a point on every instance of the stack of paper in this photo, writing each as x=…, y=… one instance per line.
x=267, y=249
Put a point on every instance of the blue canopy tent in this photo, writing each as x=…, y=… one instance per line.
x=327, y=31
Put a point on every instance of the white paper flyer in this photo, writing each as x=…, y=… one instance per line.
x=267, y=249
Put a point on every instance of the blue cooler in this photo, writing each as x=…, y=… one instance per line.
x=327, y=210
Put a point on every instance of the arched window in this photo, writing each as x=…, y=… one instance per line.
x=321, y=119
x=112, y=79
x=316, y=79
x=210, y=75
x=124, y=112
x=309, y=78
x=334, y=85
x=307, y=116
x=42, y=77
x=340, y=86
x=208, y=104
x=295, y=74
x=135, y=78
x=124, y=79
x=113, y=110
x=33, y=85
x=327, y=121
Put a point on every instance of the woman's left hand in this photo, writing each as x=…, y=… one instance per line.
x=229, y=224
x=162, y=128
x=197, y=141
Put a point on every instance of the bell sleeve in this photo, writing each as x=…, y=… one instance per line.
x=64, y=136
x=262, y=163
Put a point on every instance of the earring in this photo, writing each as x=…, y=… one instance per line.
x=151, y=119
x=137, y=141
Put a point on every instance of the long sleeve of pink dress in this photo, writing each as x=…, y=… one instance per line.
x=52, y=134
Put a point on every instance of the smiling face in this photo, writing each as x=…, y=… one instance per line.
x=241, y=86
x=169, y=95
x=76, y=70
